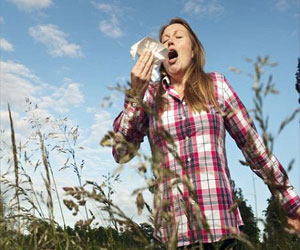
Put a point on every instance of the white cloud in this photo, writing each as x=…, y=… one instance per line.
x=29, y=5
x=21, y=127
x=90, y=110
x=55, y=40
x=111, y=26
x=101, y=125
x=17, y=69
x=19, y=83
x=62, y=98
x=283, y=5
x=68, y=95
x=6, y=45
x=203, y=7
x=127, y=202
x=108, y=8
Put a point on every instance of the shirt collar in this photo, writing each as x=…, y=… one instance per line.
x=167, y=86
x=166, y=82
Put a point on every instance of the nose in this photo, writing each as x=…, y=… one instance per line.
x=170, y=42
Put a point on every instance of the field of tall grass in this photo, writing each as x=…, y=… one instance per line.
x=28, y=215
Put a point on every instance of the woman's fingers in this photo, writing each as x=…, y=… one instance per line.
x=141, y=72
x=143, y=65
x=148, y=76
x=146, y=63
x=142, y=60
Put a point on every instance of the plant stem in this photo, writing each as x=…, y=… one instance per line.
x=15, y=157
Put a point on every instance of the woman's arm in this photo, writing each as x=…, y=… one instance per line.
x=241, y=127
x=130, y=127
x=131, y=124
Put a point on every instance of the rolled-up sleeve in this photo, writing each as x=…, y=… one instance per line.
x=130, y=127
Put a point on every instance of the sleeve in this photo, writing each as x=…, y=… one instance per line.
x=129, y=127
x=241, y=127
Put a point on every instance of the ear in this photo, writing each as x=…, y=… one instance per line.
x=192, y=54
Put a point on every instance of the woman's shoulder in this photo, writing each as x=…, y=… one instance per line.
x=217, y=76
x=221, y=85
x=219, y=80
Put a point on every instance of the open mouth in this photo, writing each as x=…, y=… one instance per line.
x=172, y=56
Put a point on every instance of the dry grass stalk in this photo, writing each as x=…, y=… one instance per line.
x=47, y=180
x=15, y=158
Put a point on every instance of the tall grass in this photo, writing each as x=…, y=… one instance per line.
x=24, y=223
x=15, y=159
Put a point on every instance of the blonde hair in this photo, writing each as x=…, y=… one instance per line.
x=199, y=87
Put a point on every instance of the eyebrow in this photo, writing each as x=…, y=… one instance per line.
x=175, y=32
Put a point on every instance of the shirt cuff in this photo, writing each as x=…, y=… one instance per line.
x=293, y=204
x=132, y=104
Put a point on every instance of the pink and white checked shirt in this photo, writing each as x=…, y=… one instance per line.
x=199, y=142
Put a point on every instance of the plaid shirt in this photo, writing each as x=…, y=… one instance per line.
x=201, y=209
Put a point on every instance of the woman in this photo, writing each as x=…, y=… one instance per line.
x=185, y=117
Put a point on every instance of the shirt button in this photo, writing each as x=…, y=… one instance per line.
x=187, y=161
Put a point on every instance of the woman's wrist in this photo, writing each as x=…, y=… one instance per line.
x=133, y=98
x=134, y=93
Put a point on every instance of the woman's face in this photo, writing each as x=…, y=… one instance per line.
x=176, y=38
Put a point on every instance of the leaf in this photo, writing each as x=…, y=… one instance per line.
x=249, y=60
x=244, y=163
x=288, y=120
x=140, y=203
x=107, y=141
x=290, y=166
x=234, y=70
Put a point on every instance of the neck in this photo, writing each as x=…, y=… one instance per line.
x=177, y=82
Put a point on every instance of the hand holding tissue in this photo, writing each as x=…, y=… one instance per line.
x=159, y=51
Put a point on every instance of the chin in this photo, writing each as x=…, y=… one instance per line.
x=172, y=70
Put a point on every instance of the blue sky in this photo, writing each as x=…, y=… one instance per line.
x=63, y=55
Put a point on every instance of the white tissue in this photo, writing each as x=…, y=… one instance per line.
x=160, y=52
